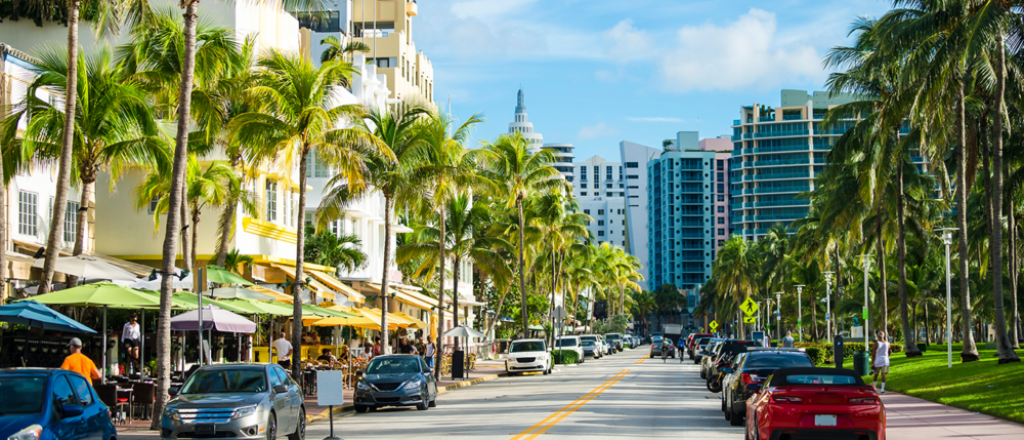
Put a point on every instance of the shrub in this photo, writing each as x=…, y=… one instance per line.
x=816, y=354
x=563, y=357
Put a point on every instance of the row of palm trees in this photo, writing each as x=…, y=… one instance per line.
x=502, y=207
x=935, y=79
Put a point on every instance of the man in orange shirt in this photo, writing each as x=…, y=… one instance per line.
x=79, y=362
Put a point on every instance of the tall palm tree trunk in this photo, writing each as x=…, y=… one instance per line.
x=227, y=221
x=60, y=200
x=385, y=334
x=522, y=276
x=554, y=281
x=440, y=303
x=300, y=248
x=1011, y=248
x=455, y=296
x=194, y=257
x=883, y=288
x=84, y=208
x=1004, y=348
x=176, y=199
x=909, y=336
x=969, y=351
x=186, y=220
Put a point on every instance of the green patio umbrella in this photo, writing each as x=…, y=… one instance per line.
x=220, y=275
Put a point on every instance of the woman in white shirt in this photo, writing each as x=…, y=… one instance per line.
x=881, y=364
x=131, y=338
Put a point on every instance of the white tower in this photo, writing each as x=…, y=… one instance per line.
x=522, y=125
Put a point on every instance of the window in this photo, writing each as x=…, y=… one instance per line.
x=316, y=167
x=71, y=222
x=721, y=231
x=582, y=186
x=322, y=21
x=634, y=187
x=721, y=242
x=586, y=211
x=721, y=209
x=634, y=197
x=609, y=194
x=720, y=164
x=583, y=194
x=83, y=390
x=609, y=186
x=721, y=220
x=721, y=197
x=384, y=63
x=632, y=176
x=27, y=224
x=271, y=200
x=152, y=206
x=600, y=212
x=295, y=209
x=721, y=188
x=62, y=394
x=309, y=219
x=632, y=165
x=600, y=233
x=600, y=222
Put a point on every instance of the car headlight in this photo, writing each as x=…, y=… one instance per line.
x=363, y=386
x=543, y=356
x=243, y=412
x=412, y=384
x=32, y=432
x=173, y=414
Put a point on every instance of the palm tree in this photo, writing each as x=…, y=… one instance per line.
x=296, y=117
x=518, y=172
x=391, y=175
x=734, y=277
x=329, y=249
x=336, y=51
x=234, y=259
x=215, y=186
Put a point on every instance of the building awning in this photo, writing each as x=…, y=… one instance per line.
x=278, y=296
x=463, y=302
x=338, y=286
x=320, y=288
x=407, y=296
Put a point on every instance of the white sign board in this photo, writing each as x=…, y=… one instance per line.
x=857, y=331
x=330, y=388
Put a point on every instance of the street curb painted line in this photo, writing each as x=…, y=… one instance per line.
x=325, y=414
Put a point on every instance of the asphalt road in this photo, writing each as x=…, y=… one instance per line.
x=621, y=396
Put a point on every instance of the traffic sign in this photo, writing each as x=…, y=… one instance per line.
x=827, y=318
x=749, y=307
x=713, y=325
x=750, y=320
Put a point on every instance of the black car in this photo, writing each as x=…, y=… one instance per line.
x=749, y=372
x=702, y=346
x=396, y=380
x=724, y=356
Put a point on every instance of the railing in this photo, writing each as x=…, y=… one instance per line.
x=736, y=122
x=736, y=192
x=773, y=176
x=748, y=135
x=782, y=189
x=748, y=177
x=779, y=217
x=766, y=119
x=748, y=232
x=792, y=117
x=737, y=137
x=747, y=191
x=770, y=203
x=772, y=163
x=735, y=165
x=749, y=150
x=748, y=204
x=803, y=132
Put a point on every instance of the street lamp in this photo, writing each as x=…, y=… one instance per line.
x=866, y=261
x=828, y=304
x=778, y=313
x=947, y=239
x=799, y=310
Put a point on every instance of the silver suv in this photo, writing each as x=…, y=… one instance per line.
x=241, y=401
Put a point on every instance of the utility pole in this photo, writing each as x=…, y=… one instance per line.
x=866, y=261
x=799, y=310
x=947, y=239
x=828, y=304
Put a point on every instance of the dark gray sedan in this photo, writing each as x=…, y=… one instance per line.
x=241, y=401
x=396, y=380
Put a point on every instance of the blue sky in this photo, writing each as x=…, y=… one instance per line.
x=597, y=72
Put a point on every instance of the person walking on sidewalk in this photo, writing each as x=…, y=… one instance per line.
x=131, y=338
x=788, y=341
x=881, y=364
x=284, y=352
x=428, y=353
x=79, y=362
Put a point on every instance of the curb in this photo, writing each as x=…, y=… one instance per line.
x=338, y=410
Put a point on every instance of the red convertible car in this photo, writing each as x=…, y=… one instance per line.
x=815, y=403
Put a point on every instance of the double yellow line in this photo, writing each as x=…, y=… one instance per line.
x=552, y=420
x=641, y=360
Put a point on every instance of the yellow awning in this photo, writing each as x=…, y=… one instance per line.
x=278, y=296
x=416, y=323
x=392, y=317
x=323, y=290
x=338, y=286
x=408, y=296
x=367, y=320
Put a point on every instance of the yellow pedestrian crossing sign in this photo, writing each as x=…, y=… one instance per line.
x=713, y=325
x=750, y=320
x=749, y=307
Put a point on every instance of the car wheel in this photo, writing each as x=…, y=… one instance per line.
x=433, y=403
x=724, y=407
x=300, y=427
x=272, y=427
x=361, y=408
x=422, y=406
x=702, y=375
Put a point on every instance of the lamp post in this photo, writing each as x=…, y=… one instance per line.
x=866, y=261
x=799, y=310
x=947, y=239
x=778, y=313
x=828, y=304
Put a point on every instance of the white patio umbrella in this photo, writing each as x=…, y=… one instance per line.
x=145, y=284
x=82, y=266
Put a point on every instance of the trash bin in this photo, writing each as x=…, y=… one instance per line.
x=458, y=364
x=861, y=363
x=922, y=347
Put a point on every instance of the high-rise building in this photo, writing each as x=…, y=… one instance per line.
x=522, y=125
x=680, y=199
x=722, y=146
x=563, y=159
x=634, y=162
x=600, y=191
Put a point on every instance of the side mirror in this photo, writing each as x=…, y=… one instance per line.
x=359, y=372
x=172, y=391
x=280, y=388
x=68, y=411
x=753, y=387
x=725, y=370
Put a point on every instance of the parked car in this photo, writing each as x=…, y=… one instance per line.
x=751, y=368
x=815, y=403
x=725, y=355
x=528, y=355
x=606, y=348
x=656, y=348
x=699, y=348
x=396, y=380
x=592, y=346
x=615, y=339
x=691, y=343
x=571, y=343
x=712, y=351
x=246, y=401
x=48, y=403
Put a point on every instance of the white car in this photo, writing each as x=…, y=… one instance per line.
x=525, y=355
x=571, y=343
x=596, y=350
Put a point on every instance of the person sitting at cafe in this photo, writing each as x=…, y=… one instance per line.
x=343, y=356
x=326, y=356
x=314, y=338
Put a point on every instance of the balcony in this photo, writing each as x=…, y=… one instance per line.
x=748, y=204
x=748, y=178
x=766, y=119
x=748, y=135
x=776, y=176
x=792, y=117
x=773, y=203
x=749, y=150
x=783, y=148
x=736, y=192
x=783, y=189
x=736, y=165
x=737, y=137
x=775, y=163
x=748, y=191
x=736, y=122
x=784, y=133
x=748, y=232
x=778, y=217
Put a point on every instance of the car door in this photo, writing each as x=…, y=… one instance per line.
x=281, y=401
x=65, y=428
x=91, y=410
x=431, y=381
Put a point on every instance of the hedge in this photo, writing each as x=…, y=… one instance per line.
x=820, y=353
x=563, y=357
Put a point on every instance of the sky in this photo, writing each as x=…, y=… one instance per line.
x=597, y=72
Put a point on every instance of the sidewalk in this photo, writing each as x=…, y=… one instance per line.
x=910, y=418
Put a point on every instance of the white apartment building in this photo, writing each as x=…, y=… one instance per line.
x=563, y=159
x=600, y=191
x=635, y=158
x=522, y=124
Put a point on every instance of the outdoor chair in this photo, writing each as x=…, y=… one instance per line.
x=143, y=396
x=108, y=395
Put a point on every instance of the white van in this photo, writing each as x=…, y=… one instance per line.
x=572, y=343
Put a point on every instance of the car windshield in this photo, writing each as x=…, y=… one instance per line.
x=22, y=395
x=519, y=347
x=821, y=379
x=777, y=361
x=566, y=342
x=394, y=366
x=613, y=336
x=218, y=381
x=588, y=338
x=588, y=343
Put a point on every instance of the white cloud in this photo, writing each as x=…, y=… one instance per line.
x=655, y=119
x=624, y=43
x=595, y=131
x=738, y=55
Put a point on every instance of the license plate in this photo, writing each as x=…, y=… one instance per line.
x=206, y=429
x=825, y=420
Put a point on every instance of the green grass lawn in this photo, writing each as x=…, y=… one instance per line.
x=984, y=386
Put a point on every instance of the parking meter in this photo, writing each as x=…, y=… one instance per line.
x=837, y=350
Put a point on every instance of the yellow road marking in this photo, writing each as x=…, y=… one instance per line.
x=552, y=420
x=641, y=360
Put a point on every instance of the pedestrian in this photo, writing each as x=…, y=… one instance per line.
x=79, y=362
x=881, y=364
x=376, y=347
x=788, y=341
x=131, y=337
x=284, y=351
x=326, y=356
x=429, y=353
